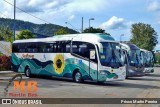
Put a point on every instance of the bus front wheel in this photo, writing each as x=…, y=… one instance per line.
x=27, y=72
x=77, y=77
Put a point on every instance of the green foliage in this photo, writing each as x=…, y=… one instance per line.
x=61, y=31
x=144, y=36
x=157, y=55
x=94, y=30
x=6, y=34
x=24, y=34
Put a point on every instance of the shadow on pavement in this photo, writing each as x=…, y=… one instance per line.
x=153, y=75
x=64, y=82
x=132, y=85
x=144, y=79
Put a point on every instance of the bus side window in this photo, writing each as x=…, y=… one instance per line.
x=49, y=48
x=63, y=46
x=46, y=47
x=15, y=48
x=74, y=49
x=32, y=48
x=68, y=47
x=83, y=49
x=19, y=47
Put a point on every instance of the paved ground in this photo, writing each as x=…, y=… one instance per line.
x=135, y=87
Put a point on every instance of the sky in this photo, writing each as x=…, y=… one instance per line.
x=114, y=16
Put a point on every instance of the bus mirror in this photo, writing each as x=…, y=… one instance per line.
x=92, y=54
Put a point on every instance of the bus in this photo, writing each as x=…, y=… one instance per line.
x=95, y=57
x=148, y=61
x=133, y=60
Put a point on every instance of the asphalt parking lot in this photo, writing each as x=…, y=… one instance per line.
x=135, y=87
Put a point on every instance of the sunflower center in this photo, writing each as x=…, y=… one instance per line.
x=59, y=63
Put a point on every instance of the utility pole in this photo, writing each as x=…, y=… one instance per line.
x=89, y=21
x=72, y=26
x=14, y=19
x=82, y=26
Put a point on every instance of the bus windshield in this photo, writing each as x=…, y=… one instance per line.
x=150, y=60
x=135, y=57
x=111, y=55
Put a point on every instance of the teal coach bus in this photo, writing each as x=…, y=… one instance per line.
x=148, y=61
x=81, y=57
x=133, y=60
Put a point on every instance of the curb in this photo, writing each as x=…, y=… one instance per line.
x=2, y=72
x=8, y=78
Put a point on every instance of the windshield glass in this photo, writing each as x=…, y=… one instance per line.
x=144, y=57
x=150, y=60
x=135, y=57
x=111, y=54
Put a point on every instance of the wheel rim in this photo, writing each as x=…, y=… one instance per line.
x=27, y=72
x=78, y=76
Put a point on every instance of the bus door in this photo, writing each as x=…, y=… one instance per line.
x=93, y=64
x=126, y=61
x=86, y=53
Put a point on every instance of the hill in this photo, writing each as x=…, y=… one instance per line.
x=44, y=29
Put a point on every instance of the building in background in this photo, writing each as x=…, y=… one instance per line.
x=5, y=48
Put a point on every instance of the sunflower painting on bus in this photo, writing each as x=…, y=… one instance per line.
x=58, y=63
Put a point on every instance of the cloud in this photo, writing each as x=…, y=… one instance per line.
x=71, y=17
x=86, y=5
x=66, y=6
x=154, y=6
x=41, y=5
x=114, y=23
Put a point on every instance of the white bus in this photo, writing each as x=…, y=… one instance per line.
x=81, y=57
x=133, y=60
x=148, y=61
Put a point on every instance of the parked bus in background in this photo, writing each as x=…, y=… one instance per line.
x=148, y=61
x=81, y=57
x=133, y=60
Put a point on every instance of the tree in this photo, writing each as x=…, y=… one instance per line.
x=61, y=31
x=157, y=58
x=25, y=34
x=6, y=34
x=94, y=30
x=144, y=36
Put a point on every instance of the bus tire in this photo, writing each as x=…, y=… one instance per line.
x=77, y=77
x=100, y=82
x=28, y=72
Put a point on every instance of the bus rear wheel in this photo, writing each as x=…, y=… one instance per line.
x=28, y=72
x=77, y=77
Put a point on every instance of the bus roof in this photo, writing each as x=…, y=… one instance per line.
x=85, y=37
x=146, y=51
x=130, y=46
